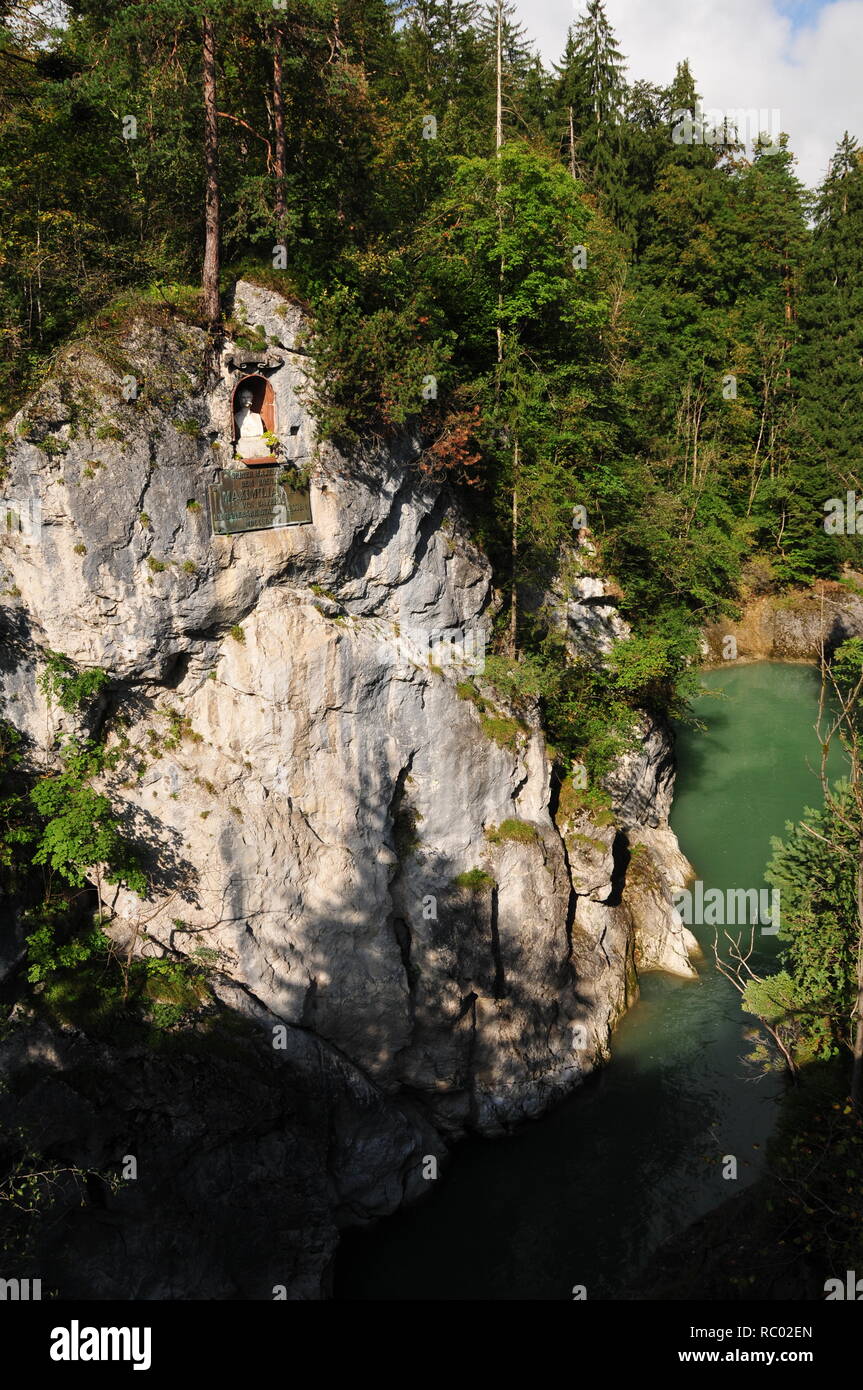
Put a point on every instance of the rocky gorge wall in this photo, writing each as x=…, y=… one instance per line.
x=370, y=856
x=791, y=626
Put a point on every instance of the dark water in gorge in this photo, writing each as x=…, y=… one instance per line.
x=586, y=1194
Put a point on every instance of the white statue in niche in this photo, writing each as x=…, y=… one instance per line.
x=250, y=429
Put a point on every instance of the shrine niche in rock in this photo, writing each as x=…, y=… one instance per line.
x=255, y=426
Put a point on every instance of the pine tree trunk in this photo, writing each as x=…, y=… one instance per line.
x=857, y=1066
x=212, y=308
x=513, y=613
x=279, y=154
x=571, y=144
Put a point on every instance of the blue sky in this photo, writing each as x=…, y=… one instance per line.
x=801, y=12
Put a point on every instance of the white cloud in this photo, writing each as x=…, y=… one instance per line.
x=743, y=53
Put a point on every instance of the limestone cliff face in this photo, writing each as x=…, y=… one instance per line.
x=309, y=791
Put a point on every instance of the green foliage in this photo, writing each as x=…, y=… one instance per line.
x=812, y=1000
x=179, y=729
x=369, y=364
x=188, y=427
x=590, y=85
x=475, y=881
x=51, y=947
x=54, y=448
x=502, y=730
x=516, y=679
x=18, y=828
x=62, y=823
x=80, y=828
x=73, y=688
x=654, y=670
x=814, y=869
x=34, y=1188
x=521, y=832
x=590, y=712
x=82, y=982
x=590, y=800
x=445, y=259
x=175, y=989
x=828, y=362
x=847, y=670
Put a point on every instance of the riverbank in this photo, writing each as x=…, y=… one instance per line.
x=789, y=626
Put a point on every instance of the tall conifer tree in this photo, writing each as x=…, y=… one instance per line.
x=590, y=94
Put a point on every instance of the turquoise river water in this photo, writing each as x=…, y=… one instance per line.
x=586, y=1194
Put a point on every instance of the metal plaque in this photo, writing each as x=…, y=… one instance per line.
x=255, y=500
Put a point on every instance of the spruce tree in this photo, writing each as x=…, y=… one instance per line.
x=601, y=65
x=516, y=45
x=591, y=87
x=515, y=52
x=570, y=105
